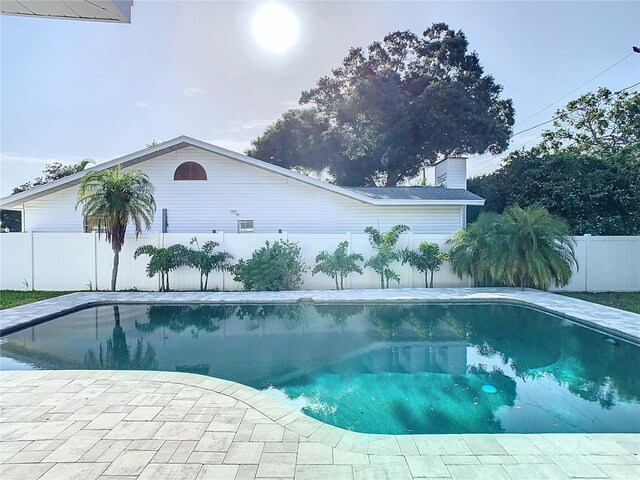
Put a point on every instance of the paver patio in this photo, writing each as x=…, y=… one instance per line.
x=90, y=425
x=164, y=425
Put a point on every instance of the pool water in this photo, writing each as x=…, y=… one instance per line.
x=378, y=368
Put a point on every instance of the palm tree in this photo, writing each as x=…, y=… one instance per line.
x=206, y=260
x=538, y=248
x=338, y=263
x=471, y=248
x=384, y=244
x=163, y=260
x=111, y=199
x=427, y=259
x=522, y=247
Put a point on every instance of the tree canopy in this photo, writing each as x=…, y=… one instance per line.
x=52, y=171
x=600, y=123
x=391, y=109
x=594, y=195
x=586, y=169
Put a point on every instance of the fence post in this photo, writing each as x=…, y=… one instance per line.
x=412, y=247
x=33, y=275
x=587, y=242
x=95, y=259
x=348, y=235
x=222, y=250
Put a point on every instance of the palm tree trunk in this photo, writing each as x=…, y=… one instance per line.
x=336, y=279
x=114, y=272
x=341, y=284
x=167, y=289
x=206, y=281
x=382, y=281
x=431, y=282
x=426, y=280
x=201, y=285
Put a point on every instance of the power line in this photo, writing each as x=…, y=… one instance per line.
x=576, y=89
x=556, y=117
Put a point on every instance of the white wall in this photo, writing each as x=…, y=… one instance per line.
x=272, y=201
x=73, y=261
x=606, y=264
x=70, y=261
x=453, y=171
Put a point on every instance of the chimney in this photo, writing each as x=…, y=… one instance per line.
x=452, y=173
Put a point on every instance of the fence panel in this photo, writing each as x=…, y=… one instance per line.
x=16, y=261
x=75, y=261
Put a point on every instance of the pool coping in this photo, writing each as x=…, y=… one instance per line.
x=613, y=321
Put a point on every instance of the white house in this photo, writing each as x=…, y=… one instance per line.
x=202, y=188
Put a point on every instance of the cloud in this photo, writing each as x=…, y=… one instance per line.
x=192, y=91
x=240, y=125
x=142, y=104
x=232, y=144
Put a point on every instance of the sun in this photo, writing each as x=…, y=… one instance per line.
x=275, y=28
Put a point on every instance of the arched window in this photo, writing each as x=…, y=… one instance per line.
x=190, y=171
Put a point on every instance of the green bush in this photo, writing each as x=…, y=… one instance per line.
x=427, y=259
x=338, y=263
x=384, y=246
x=163, y=260
x=274, y=267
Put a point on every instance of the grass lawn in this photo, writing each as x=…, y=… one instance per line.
x=623, y=300
x=13, y=298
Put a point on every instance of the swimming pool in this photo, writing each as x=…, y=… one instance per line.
x=378, y=368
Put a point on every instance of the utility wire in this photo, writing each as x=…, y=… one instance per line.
x=556, y=117
x=576, y=89
x=485, y=162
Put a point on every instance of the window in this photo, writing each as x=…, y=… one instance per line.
x=245, y=226
x=190, y=171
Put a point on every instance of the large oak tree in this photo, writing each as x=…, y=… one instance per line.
x=391, y=109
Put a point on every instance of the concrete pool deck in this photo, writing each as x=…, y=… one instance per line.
x=165, y=425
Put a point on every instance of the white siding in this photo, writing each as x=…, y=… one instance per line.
x=452, y=173
x=272, y=201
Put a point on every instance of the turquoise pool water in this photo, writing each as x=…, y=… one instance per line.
x=379, y=368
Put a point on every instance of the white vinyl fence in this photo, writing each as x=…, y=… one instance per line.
x=80, y=261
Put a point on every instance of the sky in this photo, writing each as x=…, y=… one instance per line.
x=71, y=90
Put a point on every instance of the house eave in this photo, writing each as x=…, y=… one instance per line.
x=184, y=142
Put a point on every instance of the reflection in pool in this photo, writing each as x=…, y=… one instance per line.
x=379, y=368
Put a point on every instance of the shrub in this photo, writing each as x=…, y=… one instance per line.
x=163, y=260
x=339, y=263
x=206, y=260
x=427, y=259
x=523, y=247
x=274, y=267
x=384, y=244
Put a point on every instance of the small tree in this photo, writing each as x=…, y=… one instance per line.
x=206, y=260
x=274, y=267
x=427, y=259
x=163, y=260
x=111, y=200
x=339, y=263
x=384, y=245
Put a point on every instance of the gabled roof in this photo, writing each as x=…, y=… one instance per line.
x=417, y=193
x=357, y=193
